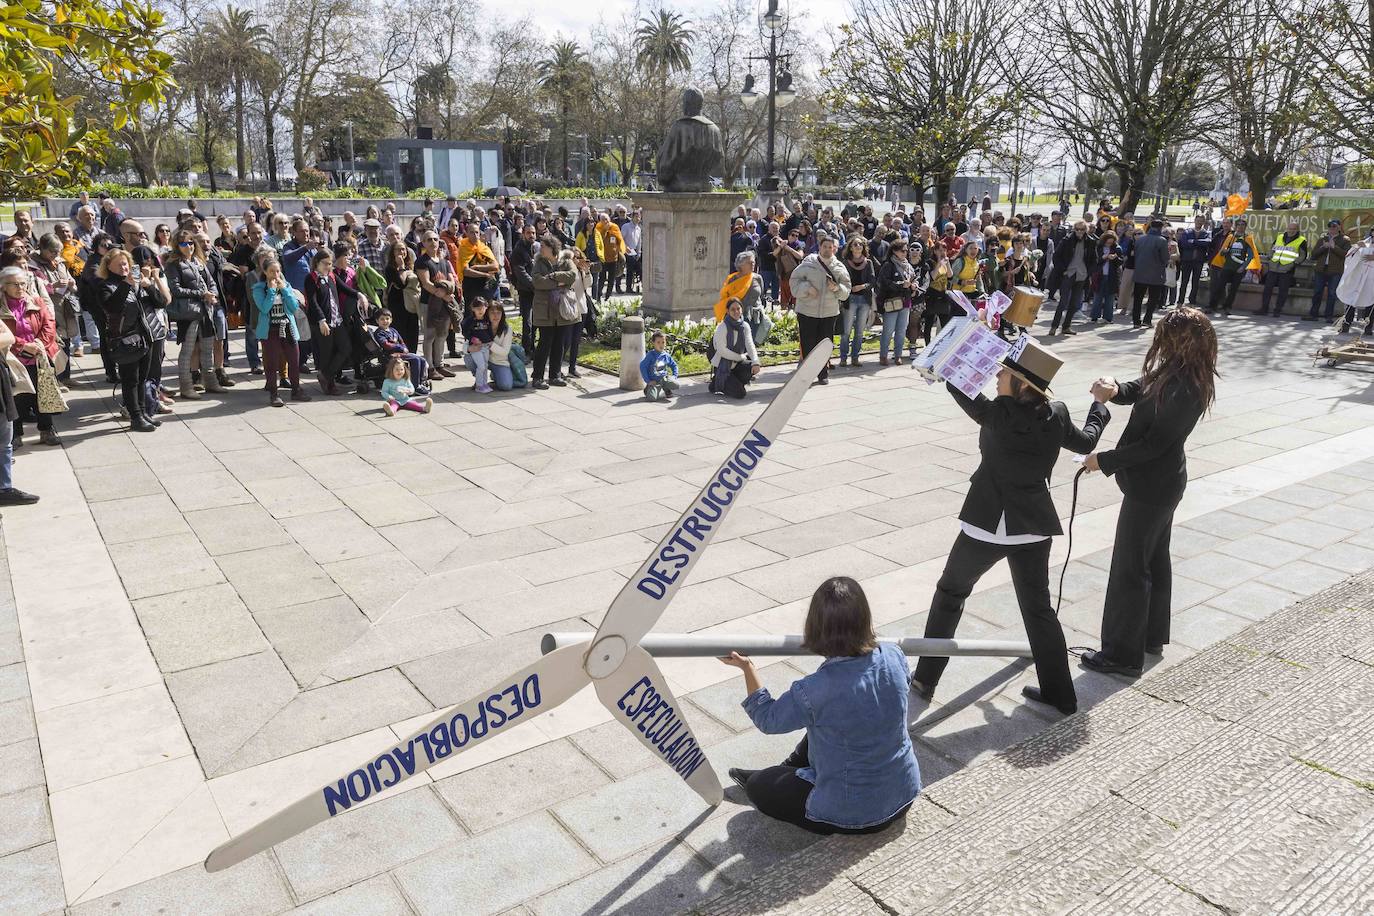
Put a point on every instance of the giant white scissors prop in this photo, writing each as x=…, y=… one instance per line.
x=624, y=675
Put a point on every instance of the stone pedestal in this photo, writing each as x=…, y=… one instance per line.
x=686, y=251
x=631, y=353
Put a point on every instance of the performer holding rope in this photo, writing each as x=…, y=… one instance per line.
x=1177, y=386
x=1009, y=514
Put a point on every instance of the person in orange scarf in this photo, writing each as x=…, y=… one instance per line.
x=1238, y=253
x=737, y=285
x=476, y=265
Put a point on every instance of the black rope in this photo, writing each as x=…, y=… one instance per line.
x=1076, y=651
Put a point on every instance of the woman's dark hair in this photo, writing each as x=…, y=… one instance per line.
x=500, y=327
x=319, y=256
x=342, y=250
x=839, y=621
x=1184, y=348
x=1025, y=394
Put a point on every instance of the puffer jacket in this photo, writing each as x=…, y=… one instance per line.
x=817, y=298
x=548, y=276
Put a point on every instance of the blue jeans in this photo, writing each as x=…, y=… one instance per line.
x=250, y=346
x=501, y=378
x=86, y=322
x=6, y=455
x=894, y=330
x=771, y=288
x=477, y=365
x=855, y=322
x=1103, y=303
x=1327, y=282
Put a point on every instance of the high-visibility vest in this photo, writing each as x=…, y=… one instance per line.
x=1285, y=253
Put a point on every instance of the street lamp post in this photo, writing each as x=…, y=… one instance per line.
x=780, y=91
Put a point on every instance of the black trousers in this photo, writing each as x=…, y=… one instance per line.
x=1189, y=272
x=1225, y=282
x=634, y=264
x=526, y=299
x=133, y=379
x=27, y=405
x=781, y=794
x=549, y=352
x=1140, y=584
x=812, y=331
x=968, y=560
x=1156, y=292
x=408, y=326
x=1070, y=298
x=1284, y=282
x=332, y=352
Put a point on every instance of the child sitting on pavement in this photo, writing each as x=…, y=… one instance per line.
x=478, y=334
x=659, y=370
x=398, y=392
x=389, y=339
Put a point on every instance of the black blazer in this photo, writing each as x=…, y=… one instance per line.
x=1020, y=444
x=1149, y=460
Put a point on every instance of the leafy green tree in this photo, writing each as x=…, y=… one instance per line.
x=239, y=42
x=109, y=46
x=663, y=46
x=1196, y=176
x=562, y=75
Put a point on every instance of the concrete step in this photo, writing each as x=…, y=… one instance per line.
x=1214, y=784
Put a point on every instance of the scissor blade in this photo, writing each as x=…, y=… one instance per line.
x=645, y=597
x=513, y=701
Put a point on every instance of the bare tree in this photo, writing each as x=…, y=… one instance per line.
x=728, y=34
x=1021, y=148
x=1338, y=38
x=913, y=88
x=1263, y=121
x=1131, y=75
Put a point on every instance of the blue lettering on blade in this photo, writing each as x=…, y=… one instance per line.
x=676, y=554
x=652, y=714
x=492, y=713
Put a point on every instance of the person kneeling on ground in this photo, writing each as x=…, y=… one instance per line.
x=659, y=370
x=398, y=393
x=389, y=339
x=855, y=770
x=735, y=360
x=507, y=358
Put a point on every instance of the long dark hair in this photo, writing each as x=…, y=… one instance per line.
x=497, y=329
x=1184, y=349
x=838, y=621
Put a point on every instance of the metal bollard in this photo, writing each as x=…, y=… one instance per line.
x=631, y=352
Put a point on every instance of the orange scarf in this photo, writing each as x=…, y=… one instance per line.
x=736, y=285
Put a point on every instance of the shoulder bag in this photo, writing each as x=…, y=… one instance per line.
x=50, y=398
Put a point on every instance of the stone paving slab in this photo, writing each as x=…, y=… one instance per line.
x=1230, y=818
x=540, y=506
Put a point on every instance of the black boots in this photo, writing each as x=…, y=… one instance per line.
x=138, y=420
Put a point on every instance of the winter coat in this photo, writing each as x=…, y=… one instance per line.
x=817, y=296
x=548, y=276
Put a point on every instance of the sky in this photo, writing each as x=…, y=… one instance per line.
x=575, y=20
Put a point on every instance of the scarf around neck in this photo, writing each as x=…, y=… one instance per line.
x=734, y=334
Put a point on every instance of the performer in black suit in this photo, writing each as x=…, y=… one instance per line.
x=1176, y=388
x=1009, y=514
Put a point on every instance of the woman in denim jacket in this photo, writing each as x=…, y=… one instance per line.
x=854, y=771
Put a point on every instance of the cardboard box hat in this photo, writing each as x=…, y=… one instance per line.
x=1033, y=364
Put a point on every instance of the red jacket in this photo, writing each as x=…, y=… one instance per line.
x=34, y=322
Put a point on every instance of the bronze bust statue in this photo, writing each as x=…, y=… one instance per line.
x=691, y=150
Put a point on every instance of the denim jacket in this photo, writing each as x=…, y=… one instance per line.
x=854, y=713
